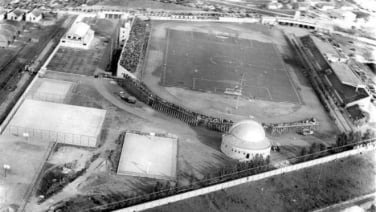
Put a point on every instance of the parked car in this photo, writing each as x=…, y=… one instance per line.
x=306, y=132
x=127, y=98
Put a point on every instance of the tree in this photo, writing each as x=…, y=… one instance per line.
x=312, y=148
x=157, y=187
x=303, y=152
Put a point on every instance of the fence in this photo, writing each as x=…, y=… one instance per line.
x=49, y=135
x=48, y=97
x=185, y=195
x=24, y=94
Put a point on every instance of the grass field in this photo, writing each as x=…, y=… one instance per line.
x=303, y=190
x=72, y=60
x=211, y=63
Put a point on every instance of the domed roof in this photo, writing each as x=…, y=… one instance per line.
x=248, y=131
x=247, y=134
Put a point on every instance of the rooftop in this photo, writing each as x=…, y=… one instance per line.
x=346, y=75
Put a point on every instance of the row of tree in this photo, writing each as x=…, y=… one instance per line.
x=344, y=142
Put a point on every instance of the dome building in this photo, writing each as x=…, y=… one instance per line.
x=245, y=140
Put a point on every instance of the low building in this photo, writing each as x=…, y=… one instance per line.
x=124, y=33
x=245, y=140
x=34, y=16
x=15, y=15
x=78, y=36
x=2, y=14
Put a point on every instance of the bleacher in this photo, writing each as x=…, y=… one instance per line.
x=308, y=43
x=134, y=48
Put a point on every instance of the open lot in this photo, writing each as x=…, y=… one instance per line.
x=303, y=190
x=148, y=156
x=25, y=157
x=87, y=62
x=214, y=62
x=50, y=90
x=58, y=122
x=77, y=61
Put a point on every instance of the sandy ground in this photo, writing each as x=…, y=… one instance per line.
x=148, y=156
x=25, y=157
x=58, y=121
x=71, y=154
x=50, y=90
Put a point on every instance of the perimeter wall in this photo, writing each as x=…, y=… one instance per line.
x=147, y=205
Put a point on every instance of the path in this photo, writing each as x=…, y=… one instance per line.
x=342, y=205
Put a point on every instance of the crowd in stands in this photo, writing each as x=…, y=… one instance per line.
x=141, y=92
x=319, y=58
x=135, y=46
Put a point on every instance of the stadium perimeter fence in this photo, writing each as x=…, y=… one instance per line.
x=50, y=135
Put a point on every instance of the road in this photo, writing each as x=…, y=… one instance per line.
x=263, y=11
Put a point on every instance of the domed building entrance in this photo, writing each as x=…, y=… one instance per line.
x=245, y=140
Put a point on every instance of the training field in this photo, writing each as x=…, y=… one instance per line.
x=147, y=155
x=216, y=62
x=58, y=122
x=50, y=90
x=76, y=61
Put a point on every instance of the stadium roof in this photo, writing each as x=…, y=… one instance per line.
x=346, y=75
x=324, y=47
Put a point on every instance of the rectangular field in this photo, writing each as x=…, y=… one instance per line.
x=58, y=122
x=25, y=158
x=216, y=62
x=77, y=61
x=50, y=90
x=148, y=156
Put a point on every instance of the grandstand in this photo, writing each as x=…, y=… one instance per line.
x=135, y=48
x=345, y=87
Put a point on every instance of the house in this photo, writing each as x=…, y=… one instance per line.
x=34, y=16
x=2, y=14
x=15, y=15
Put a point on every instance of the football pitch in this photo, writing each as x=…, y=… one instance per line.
x=219, y=62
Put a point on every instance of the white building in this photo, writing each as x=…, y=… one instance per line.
x=124, y=33
x=33, y=16
x=245, y=140
x=79, y=36
x=15, y=15
x=2, y=14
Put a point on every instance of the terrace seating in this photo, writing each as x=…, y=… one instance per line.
x=308, y=43
x=135, y=46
